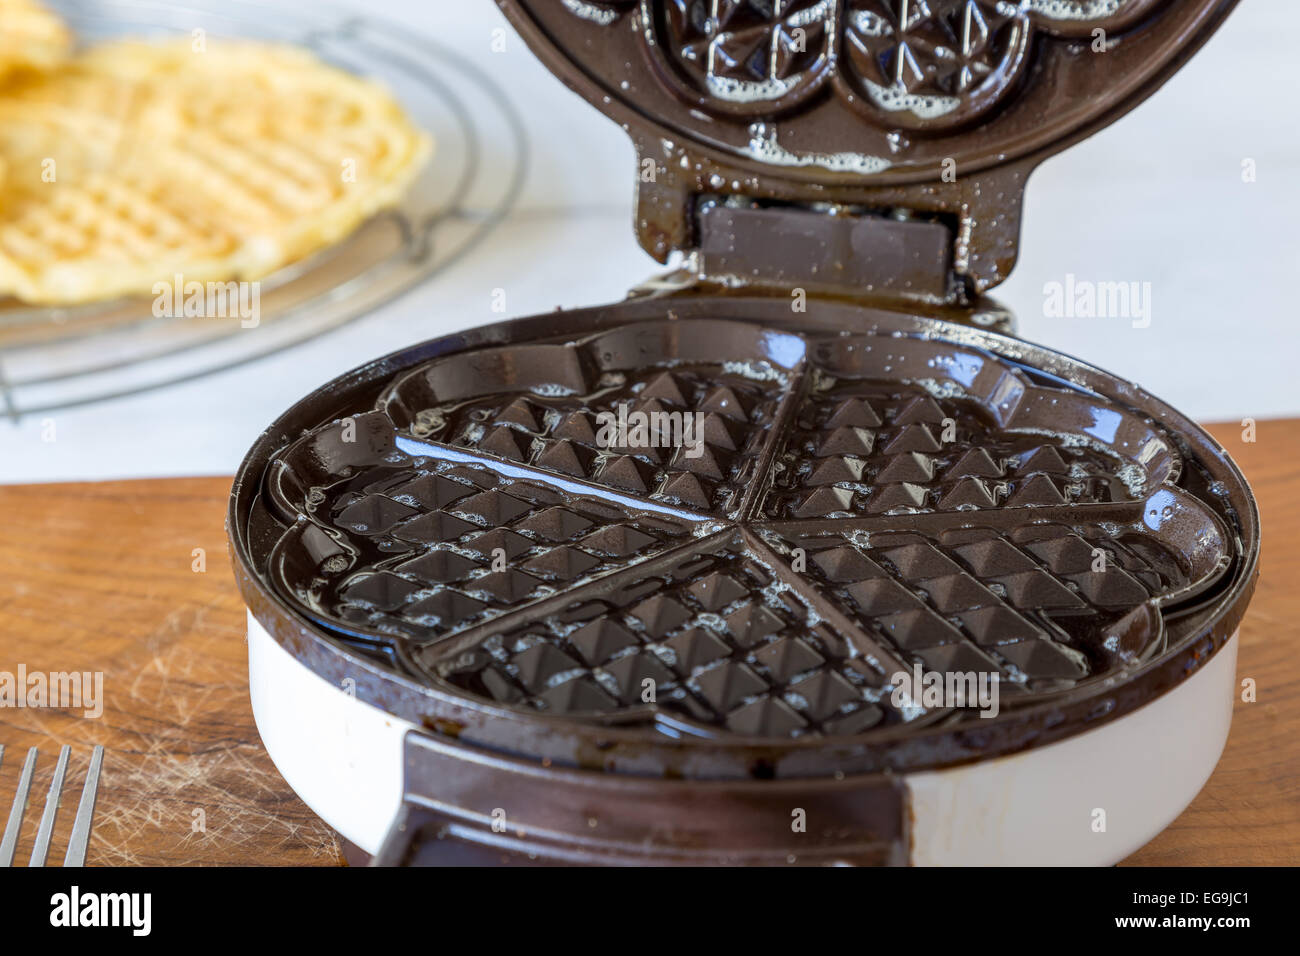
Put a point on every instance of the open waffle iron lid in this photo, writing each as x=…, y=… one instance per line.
x=934, y=111
x=869, y=491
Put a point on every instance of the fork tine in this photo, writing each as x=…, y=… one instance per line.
x=80, y=838
x=46, y=829
x=15, y=823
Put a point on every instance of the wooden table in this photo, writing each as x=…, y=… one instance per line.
x=101, y=577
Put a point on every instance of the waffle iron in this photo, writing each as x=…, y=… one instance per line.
x=798, y=555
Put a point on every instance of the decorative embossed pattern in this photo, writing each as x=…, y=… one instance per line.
x=857, y=506
x=910, y=64
x=744, y=53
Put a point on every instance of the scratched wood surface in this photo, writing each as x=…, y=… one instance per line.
x=98, y=577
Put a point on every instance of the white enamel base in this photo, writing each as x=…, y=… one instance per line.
x=344, y=758
x=341, y=755
x=1037, y=808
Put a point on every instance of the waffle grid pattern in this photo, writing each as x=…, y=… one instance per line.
x=712, y=640
x=980, y=600
x=455, y=546
x=560, y=434
x=860, y=449
x=607, y=590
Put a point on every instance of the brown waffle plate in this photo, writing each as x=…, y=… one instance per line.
x=855, y=506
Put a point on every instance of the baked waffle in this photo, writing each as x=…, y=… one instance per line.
x=137, y=162
x=31, y=37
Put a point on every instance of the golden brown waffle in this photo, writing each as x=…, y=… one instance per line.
x=137, y=162
x=31, y=37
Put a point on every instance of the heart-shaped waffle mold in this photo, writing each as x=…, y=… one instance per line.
x=842, y=509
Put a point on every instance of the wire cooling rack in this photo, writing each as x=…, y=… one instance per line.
x=54, y=359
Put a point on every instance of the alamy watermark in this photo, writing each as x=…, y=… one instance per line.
x=179, y=299
x=931, y=689
x=1077, y=298
x=62, y=690
x=638, y=429
x=133, y=911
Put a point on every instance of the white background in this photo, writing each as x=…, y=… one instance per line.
x=1157, y=198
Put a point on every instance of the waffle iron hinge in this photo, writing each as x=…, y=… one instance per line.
x=932, y=243
x=827, y=249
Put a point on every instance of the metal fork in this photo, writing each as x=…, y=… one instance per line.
x=76, y=855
